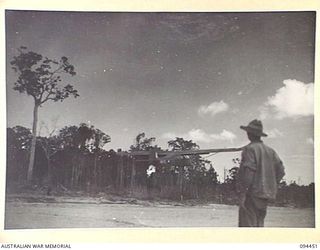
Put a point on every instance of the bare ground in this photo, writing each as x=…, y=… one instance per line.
x=38, y=212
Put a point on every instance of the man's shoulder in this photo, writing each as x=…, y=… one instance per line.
x=270, y=149
x=252, y=145
x=260, y=149
x=259, y=145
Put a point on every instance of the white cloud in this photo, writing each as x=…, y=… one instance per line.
x=198, y=135
x=225, y=135
x=213, y=108
x=310, y=141
x=274, y=133
x=169, y=135
x=294, y=99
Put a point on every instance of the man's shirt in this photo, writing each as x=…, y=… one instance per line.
x=267, y=167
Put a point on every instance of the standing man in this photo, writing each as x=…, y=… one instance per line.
x=260, y=172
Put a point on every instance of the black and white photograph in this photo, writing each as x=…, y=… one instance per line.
x=159, y=119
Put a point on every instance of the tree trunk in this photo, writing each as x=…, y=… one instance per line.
x=120, y=173
x=33, y=144
x=50, y=179
x=49, y=173
x=73, y=172
x=133, y=174
x=180, y=181
x=95, y=184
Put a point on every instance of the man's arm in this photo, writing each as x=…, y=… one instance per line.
x=279, y=169
x=280, y=172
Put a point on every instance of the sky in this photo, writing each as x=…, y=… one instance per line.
x=193, y=75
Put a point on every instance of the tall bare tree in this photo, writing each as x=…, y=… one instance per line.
x=40, y=77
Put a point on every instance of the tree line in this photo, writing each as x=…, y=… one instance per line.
x=74, y=159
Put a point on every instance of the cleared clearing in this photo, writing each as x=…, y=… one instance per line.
x=79, y=212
